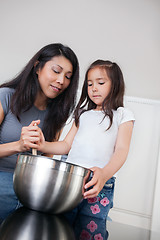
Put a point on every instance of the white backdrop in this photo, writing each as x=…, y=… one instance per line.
x=124, y=31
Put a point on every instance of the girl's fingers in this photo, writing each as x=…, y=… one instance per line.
x=94, y=179
x=90, y=193
x=91, y=183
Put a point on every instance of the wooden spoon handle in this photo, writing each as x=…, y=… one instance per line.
x=34, y=151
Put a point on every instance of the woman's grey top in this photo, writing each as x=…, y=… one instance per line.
x=10, y=128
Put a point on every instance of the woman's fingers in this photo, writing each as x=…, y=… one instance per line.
x=30, y=136
x=35, y=123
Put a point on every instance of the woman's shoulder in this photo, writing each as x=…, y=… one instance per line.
x=5, y=97
x=6, y=91
x=124, y=114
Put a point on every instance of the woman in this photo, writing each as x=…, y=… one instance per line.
x=45, y=90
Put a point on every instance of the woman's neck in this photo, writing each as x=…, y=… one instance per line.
x=41, y=101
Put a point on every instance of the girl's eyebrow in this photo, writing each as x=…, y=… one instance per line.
x=99, y=78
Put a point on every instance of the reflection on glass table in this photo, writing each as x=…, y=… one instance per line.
x=26, y=224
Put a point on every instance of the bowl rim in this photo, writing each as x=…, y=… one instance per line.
x=56, y=164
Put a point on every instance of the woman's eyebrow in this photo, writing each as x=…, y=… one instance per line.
x=59, y=66
x=62, y=68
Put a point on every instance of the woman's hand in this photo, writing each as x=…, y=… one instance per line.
x=97, y=183
x=30, y=136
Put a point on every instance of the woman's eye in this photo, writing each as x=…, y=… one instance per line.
x=55, y=71
x=68, y=77
x=101, y=83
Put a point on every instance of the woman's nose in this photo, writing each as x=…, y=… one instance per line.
x=60, y=79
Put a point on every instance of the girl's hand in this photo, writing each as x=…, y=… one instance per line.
x=30, y=136
x=41, y=142
x=97, y=182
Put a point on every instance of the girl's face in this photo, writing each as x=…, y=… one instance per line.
x=55, y=76
x=99, y=86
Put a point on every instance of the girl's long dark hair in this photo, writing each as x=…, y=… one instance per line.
x=114, y=98
x=26, y=86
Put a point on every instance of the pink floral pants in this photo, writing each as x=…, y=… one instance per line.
x=89, y=218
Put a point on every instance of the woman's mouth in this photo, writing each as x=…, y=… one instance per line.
x=56, y=89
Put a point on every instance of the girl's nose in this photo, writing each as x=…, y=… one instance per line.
x=60, y=79
x=94, y=88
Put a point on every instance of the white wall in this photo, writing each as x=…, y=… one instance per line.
x=137, y=185
x=124, y=31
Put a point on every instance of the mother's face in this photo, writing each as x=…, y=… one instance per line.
x=55, y=76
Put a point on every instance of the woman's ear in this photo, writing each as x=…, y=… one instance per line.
x=35, y=64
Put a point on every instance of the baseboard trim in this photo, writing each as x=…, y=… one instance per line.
x=130, y=218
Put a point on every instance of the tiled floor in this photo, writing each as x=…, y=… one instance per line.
x=118, y=231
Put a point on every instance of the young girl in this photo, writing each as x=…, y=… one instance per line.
x=45, y=90
x=100, y=135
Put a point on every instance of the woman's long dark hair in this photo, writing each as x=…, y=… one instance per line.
x=26, y=86
x=114, y=98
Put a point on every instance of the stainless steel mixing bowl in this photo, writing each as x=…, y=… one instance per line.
x=48, y=185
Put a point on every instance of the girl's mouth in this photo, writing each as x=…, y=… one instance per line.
x=96, y=96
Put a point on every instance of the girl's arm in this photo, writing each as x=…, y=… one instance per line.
x=101, y=175
x=28, y=136
x=56, y=139
x=59, y=147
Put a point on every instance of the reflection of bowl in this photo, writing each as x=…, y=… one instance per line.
x=25, y=224
x=48, y=185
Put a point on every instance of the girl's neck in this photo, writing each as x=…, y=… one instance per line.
x=98, y=108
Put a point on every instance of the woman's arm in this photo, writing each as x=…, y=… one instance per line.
x=59, y=147
x=8, y=148
x=101, y=175
x=28, y=137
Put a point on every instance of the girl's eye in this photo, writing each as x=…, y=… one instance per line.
x=101, y=83
x=89, y=83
